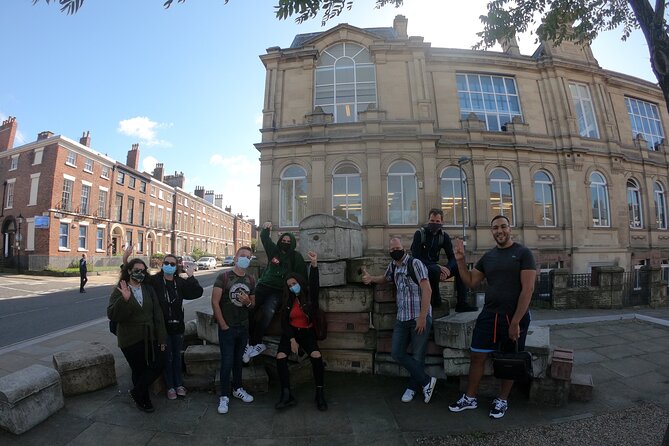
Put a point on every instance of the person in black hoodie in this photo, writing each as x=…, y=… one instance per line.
x=297, y=331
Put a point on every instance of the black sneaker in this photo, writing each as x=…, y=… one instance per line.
x=498, y=408
x=464, y=308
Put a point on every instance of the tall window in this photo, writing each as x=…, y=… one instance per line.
x=634, y=204
x=88, y=165
x=494, y=99
x=37, y=158
x=118, y=208
x=66, y=197
x=34, y=188
x=105, y=172
x=85, y=195
x=99, y=239
x=131, y=209
x=83, y=236
x=345, y=81
x=140, y=241
x=140, y=213
x=402, y=194
x=585, y=112
x=660, y=207
x=544, y=203
x=599, y=197
x=152, y=213
x=131, y=182
x=14, y=162
x=102, y=203
x=128, y=237
x=9, y=201
x=71, y=158
x=293, y=196
x=501, y=195
x=161, y=223
x=120, y=177
x=453, y=193
x=645, y=121
x=64, y=235
x=347, y=192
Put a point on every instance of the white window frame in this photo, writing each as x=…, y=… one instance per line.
x=407, y=183
x=88, y=165
x=84, y=238
x=599, y=192
x=105, y=172
x=497, y=186
x=351, y=202
x=660, y=199
x=64, y=246
x=37, y=156
x=291, y=213
x=452, y=190
x=544, y=198
x=634, y=204
x=67, y=195
x=645, y=121
x=100, y=239
x=71, y=159
x=34, y=189
x=14, y=162
x=85, y=198
x=495, y=103
x=584, y=110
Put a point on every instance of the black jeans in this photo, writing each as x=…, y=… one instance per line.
x=460, y=290
x=82, y=282
x=267, y=302
x=144, y=370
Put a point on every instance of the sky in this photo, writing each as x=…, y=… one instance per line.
x=187, y=83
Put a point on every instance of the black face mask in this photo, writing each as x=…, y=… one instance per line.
x=433, y=227
x=397, y=255
x=283, y=246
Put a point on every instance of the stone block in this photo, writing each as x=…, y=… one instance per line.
x=581, y=387
x=85, y=370
x=191, y=328
x=384, y=292
x=207, y=327
x=332, y=273
x=549, y=392
x=562, y=363
x=455, y=330
x=332, y=238
x=340, y=360
x=350, y=341
x=375, y=265
x=199, y=382
x=348, y=322
x=255, y=380
x=384, y=321
x=28, y=397
x=202, y=360
x=538, y=344
x=346, y=299
x=456, y=362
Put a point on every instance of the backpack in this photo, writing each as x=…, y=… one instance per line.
x=410, y=270
x=423, y=238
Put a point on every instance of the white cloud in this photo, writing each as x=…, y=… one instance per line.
x=216, y=160
x=149, y=163
x=145, y=129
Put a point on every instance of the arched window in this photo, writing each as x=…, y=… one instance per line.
x=660, y=206
x=347, y=192
x=634, y=204
x=599, y=197
x=501, y=195
x=293, y=196
x=453, y=196
x=345, y=81
x=402, y=194
x=544, y=202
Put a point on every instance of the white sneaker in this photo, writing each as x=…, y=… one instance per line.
x=428, y=390
x=408, y=396
x=242, y=395
x=223, y=404
x=245, y=357
x=256, y=350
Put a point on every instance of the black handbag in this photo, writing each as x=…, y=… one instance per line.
x=512, y=364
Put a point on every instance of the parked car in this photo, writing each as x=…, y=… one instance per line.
x=206, y=262
x=185, y=261
x=229, y=261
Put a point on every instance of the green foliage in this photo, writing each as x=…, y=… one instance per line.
x=69, y=6
x=308, y=9
x=197, y=253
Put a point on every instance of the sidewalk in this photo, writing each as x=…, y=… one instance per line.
x=628, y=358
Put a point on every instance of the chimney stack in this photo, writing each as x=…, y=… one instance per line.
x=400, y=24
x=510, y=45
x=199, y=191
x=44, y=135
x=158, y=171
x=218, y=201
x=209, y=196
x=85, y=139
x=7, y=133
x=228, y=209
x=132, y=160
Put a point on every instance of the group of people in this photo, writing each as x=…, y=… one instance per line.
x=150, y=317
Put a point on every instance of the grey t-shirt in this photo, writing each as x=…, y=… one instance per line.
x=234, y=313
x=502, y=269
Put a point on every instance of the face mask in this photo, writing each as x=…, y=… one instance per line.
x=284, y=246
x=169, y=270
x=295, y=288
x=433, y=227
x=397, y=255
x=138, y=277
x=243, y=262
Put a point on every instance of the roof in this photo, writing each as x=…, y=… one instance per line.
x=387, y=33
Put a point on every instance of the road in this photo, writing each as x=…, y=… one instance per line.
x=33, y=306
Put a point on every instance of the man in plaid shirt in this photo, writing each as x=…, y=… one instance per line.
x=414, y=317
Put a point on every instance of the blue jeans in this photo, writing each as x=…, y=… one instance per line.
x=267, y=302
x=173, y=361
x=404, y=334
x=232, y=343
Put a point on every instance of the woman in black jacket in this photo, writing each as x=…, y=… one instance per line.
x=297, y=331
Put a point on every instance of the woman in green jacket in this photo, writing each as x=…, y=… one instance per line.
x=140, y=331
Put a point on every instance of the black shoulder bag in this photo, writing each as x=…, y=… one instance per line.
x=512, y=364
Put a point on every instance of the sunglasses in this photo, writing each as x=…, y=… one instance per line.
x=169, y=263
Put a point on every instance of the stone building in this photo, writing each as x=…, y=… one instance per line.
x=61, y=198
x=379, y=127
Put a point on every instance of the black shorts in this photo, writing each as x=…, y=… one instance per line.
x=492, y=330
x=305, y=337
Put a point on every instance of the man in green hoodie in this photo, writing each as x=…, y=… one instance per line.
x=281, y=260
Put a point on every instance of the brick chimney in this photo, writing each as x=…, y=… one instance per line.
x=44, y=135
x=199, y=191
x=132, y=160
x=85, y=139
x=158, y=171
x=218, y=201
x=7, y=133
x=400, y=24
x=228, y=209
x=209, y=196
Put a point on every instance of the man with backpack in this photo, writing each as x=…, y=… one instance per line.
x=414, y=317
x=427, y=244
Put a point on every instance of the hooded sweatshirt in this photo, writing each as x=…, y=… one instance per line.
x=280, y=263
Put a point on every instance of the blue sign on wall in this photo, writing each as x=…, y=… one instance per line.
x=41, y=222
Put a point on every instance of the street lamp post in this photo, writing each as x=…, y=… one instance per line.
x=19, y=220
x=462, y=161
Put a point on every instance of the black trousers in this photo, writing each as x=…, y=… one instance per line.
x=82, y=282
x=144, y=370
x=433, y=275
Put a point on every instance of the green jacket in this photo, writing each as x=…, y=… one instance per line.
x=137, y=324
x=280, y=263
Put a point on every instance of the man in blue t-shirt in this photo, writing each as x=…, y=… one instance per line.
x=510, y=271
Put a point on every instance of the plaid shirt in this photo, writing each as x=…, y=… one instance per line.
x=408, y=293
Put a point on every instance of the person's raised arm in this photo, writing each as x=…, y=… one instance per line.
x=469, y=278
x=266, y=240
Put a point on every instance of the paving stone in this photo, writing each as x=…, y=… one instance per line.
x=588, y=356
x=629, y=366
x=617, y=351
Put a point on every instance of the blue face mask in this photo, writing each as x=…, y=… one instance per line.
x=169, y=270
x=243, y=262
x=295, y=288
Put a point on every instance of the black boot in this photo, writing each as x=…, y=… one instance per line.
x=320, y=399
x=286, y=399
